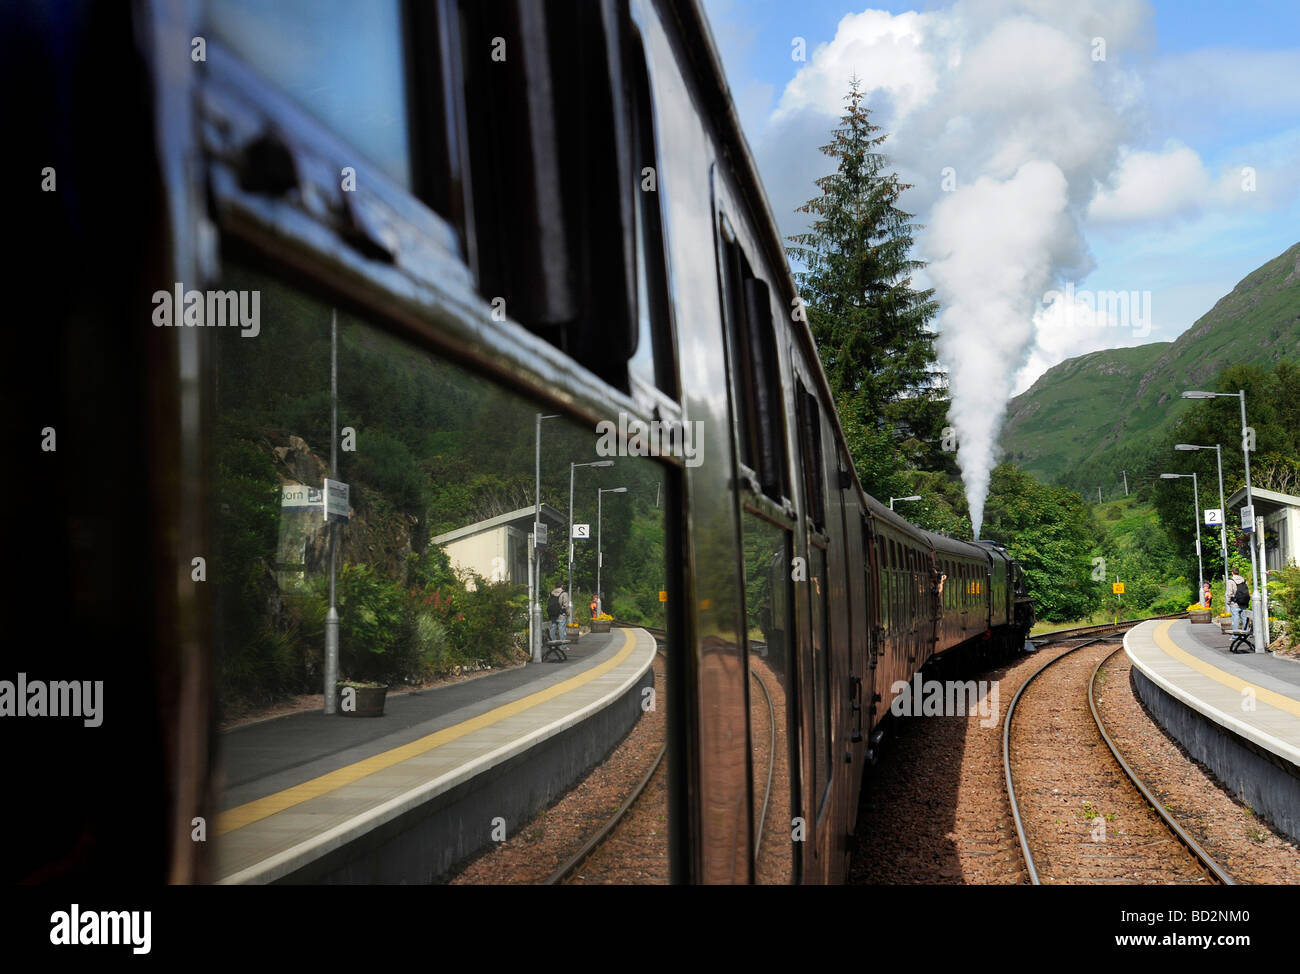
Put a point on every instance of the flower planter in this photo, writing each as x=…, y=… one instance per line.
x=574, y=634
x=1202, y=617
x=365, y=702
x=600, y=625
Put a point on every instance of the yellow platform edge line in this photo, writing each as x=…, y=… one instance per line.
x=255, y=811
x=1173, y=650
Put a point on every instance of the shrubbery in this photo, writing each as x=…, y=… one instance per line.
x=1284, y=599
x=389, y=633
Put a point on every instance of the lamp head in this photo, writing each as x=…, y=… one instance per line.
x=1198, y=394
x=1172, y=476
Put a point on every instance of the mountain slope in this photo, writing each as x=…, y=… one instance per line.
x=1106, y=404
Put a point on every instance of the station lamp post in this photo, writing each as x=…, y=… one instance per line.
x=914, y=497
x=535, y=562
x=1223, y=511
x=1196, y=525
x=572, y=467
x=1256, y=598
x=600, y=553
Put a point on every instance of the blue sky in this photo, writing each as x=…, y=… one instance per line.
x=1190, y=95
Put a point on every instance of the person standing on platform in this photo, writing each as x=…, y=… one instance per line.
x=1238, y=598
x=557, y=609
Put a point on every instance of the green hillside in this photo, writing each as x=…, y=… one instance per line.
x=1085, y=419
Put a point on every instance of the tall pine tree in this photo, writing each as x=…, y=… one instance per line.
x=869, y=322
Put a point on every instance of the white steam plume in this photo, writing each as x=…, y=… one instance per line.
x=1005, y=116
x=990, y=292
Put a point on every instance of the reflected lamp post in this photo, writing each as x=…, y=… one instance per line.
x=600, y=553
x=572, y=467
x=535, y=569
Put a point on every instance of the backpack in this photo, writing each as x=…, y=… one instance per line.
x=1242, y=595
x=553, y=606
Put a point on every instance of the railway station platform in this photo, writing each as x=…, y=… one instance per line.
x=403, y=797
x=1239, y=714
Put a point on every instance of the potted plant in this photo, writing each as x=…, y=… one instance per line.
x=356, y=699
x=601, y=622
x=573, y=632
x=1198, y=614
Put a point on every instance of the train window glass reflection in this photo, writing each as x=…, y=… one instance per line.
x=751, y=346
x=768, y=619
x=554, y=191
x=431, y=575
x=810, y=441
x=341, y=61
x=654, y=362
x=817, y=592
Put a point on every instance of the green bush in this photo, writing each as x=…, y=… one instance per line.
x=372, y=625
x=1168, y=605
x=1284, y=599
x=487, y=619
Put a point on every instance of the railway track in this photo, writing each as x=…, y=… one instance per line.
x=589, y=848
x=1078, y=632
x=576, y=861
x=1204, y=862
x=571, y=866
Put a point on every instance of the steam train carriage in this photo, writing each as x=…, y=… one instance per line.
x=534, y=209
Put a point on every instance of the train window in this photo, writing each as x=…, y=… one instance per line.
x=430, y=570
x=885, y=615
x=891, y=614
x=818, y=591
x=751, y=346
x=810, y=439
x=554, y=173
x=906, y=588
x=653, y=362
x=341, y=61
x=768, y=619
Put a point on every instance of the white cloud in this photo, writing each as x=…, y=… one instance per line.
x=1153, y=185
x=886, y=52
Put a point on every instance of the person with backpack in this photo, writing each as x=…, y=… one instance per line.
x=1238, y=599
x=557, y=611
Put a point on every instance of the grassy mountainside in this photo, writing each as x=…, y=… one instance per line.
x=1101, y=407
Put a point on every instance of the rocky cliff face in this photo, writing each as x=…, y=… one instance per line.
x=375, y=534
